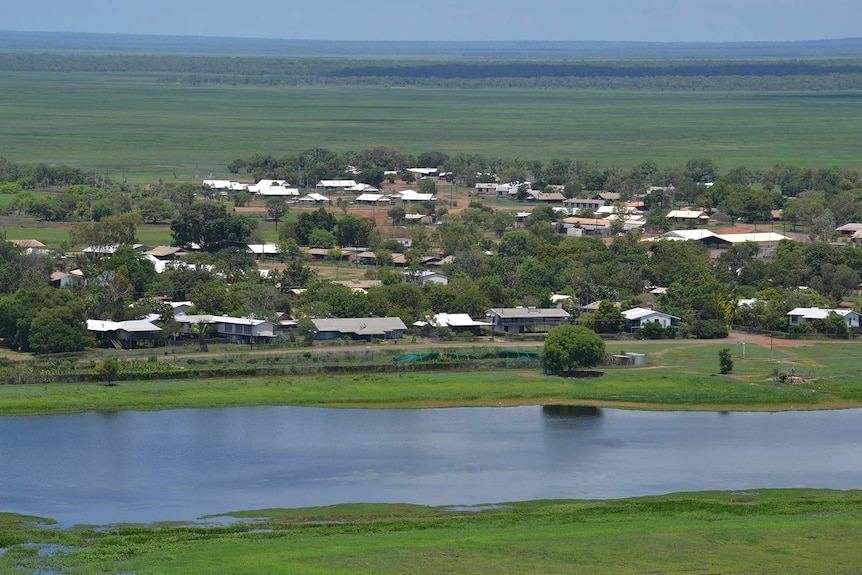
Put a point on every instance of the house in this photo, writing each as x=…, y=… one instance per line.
x=423, y=172
x=60, y=279
x=357, y=285
x=486, y=188
x=713, y=240
x=110, y=249
x=411, y=196
x=123, y=334
x=373, y=199
x=30, y=246
x=366, y=328
x=591, y=204
x=764, y=239
x=685, y=235
x=696, y=217
x=262, y=250
x=638, y=317
x=559, y=300
x=424, y=277
x=278, y=191
x=849, y=229
x=418, y=218
x=606, y=211
x=313, y=198
x=525, y=319
x=802, y=315
x=219, y=185
x=179, y=306
x=166, y=252
x=234, y=329
x=362, y=188
x=273, y=188
x=507, y=190
x=454, y=321
x=548, y=197
x=599, y=226
x=336, y=184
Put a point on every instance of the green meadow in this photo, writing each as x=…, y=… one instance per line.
x=680, y=375
x=759, y=531
x=137, y=126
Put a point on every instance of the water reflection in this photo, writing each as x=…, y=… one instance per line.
x=571, y=411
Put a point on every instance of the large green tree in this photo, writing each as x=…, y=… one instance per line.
x=571, y=347
x=43, y=320
x=210, y=226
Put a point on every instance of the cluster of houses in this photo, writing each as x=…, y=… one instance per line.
x=516, y=320
x=503, y=321
x=367, y=194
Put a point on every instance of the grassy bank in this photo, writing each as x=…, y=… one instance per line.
x=768, y=531
x=679, y=375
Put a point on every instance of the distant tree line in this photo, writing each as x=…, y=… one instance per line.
x=706, y=74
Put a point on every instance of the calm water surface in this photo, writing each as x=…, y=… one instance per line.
x=178, y=465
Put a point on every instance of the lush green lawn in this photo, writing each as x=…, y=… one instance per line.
x=681, y=375
x=768, y=531
x=145, y=129
x=50, y=235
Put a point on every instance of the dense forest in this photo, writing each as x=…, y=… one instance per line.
x=822, y=74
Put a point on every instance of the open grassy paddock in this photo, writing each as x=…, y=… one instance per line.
x=136, y=126
x=679, y=375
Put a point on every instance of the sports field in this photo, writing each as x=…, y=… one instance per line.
x=139, y=127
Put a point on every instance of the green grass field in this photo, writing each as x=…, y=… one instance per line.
x=135, y=126
x=680, y=375
x=764, y=531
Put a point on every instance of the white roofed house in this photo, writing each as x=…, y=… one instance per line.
x=453, y=321
x=639, y=317
x=369, y=198
x=262, y=250
x=423, y=172
x=218, y=185
x=234, y=329
x=313, y=198
x=363, y=188
x=426, y=276
x=411, y=196
x=803, y=315
x=273, y=188
x=336, y=184
x=123, y=334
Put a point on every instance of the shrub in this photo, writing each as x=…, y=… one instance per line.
x=725, y=361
